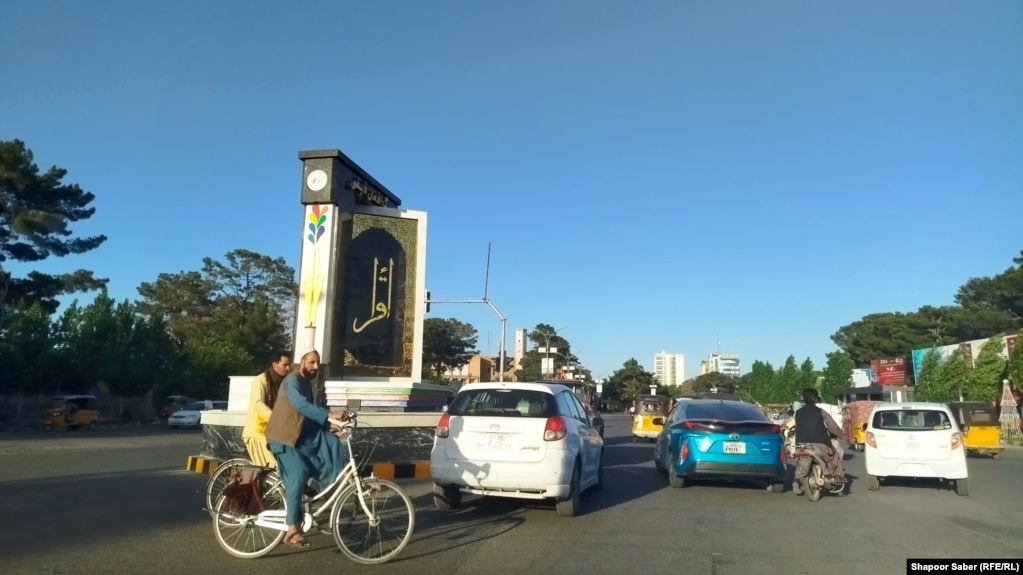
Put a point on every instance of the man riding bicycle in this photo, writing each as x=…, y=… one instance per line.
x=299, y=438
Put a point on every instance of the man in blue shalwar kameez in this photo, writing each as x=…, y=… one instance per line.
x=299, y=437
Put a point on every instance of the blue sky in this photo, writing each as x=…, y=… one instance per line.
x=653, y=175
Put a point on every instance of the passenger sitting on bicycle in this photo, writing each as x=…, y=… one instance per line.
x=303, y=445
x=262, y=397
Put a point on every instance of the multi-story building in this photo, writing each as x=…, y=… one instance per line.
x=670, y=368
x=521, y=344
x=726, y=363
x=481, y=368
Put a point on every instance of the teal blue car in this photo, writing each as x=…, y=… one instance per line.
x=720, y=440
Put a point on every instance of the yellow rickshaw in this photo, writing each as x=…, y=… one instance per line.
x=854, y=415
x=648, y=414
x=71, y=412
x=982, y=431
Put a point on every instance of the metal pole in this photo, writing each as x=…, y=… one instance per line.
x=504, y=325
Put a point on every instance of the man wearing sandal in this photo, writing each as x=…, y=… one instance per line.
x=262, y=397
x=299, y=437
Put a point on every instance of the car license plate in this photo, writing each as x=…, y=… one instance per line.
x=735, y=447
x=494, y=441
x=912, y=446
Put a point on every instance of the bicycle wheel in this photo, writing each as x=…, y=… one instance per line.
x=218, y=481
x=240, y=536
x=379, y=542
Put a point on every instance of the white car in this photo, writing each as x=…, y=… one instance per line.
x=519, y=440
x=915, y=440
x=189, y=415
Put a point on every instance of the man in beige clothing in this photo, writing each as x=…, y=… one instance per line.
x=262, y=398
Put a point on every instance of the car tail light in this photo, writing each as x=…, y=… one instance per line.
x=555, y=429
x=773, y=430
x=870, y=440
x=781, y=455
x=443, y=426
x=684, y=452
x=957, y=440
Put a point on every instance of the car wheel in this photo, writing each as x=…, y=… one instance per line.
x=859, y=447
x=569, y=506
x=674, y=480
x=446, y=498
x=873, y=483
x=962, y=487
x=599, y=486
x=657, y=463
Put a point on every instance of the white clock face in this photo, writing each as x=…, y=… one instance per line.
x=317, y=180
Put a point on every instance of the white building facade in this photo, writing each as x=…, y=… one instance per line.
x=670, y=368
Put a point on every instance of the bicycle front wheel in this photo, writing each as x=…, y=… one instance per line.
x=379, y=539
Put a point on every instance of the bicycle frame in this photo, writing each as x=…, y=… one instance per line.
x=345, y=481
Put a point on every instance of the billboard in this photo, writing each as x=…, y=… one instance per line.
x=891, y=371
x=971, y=350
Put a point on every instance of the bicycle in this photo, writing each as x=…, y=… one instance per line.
x=221, y=477
x=363, y=493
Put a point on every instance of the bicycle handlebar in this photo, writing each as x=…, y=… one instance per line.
x=351, y=423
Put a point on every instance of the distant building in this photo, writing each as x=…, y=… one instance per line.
x=670, y=368
x=521, y=344
x=726, y=363
x=482, y=368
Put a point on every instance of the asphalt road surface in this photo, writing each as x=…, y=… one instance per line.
x=63, y=516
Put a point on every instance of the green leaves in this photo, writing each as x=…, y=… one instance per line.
x=36, y=210
x=447, y=343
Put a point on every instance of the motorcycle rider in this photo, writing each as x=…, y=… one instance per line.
x=816, y=427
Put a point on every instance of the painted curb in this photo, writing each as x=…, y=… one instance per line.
x=408, y=470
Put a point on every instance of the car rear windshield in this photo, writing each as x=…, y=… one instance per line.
x=911, y=419
x=725, y=411
x=503, y=403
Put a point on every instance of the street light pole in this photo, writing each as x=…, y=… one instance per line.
x=547, y=336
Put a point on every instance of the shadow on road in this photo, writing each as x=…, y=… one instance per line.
x=89, y=510
x=617, y=455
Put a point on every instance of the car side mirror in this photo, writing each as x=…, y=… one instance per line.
x=863, y=427
x=658, y=421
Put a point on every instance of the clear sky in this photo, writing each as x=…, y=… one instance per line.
x=653, y=175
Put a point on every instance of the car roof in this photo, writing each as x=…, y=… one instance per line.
x=551, y=388
x=884, y=406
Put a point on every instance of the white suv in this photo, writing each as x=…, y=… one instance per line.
x=520, y=440
x=917, y=440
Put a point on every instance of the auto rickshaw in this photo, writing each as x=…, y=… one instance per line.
x=854, y=415
x=649, y=412
x=982, y=431
x=71, y=412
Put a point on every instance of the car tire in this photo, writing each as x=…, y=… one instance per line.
x=657, y=463
x=569, y=507
x=873, y=483
x=962, y=487
x=599, y=486
x=446, y=498
x=674, y=480
x=860, y=447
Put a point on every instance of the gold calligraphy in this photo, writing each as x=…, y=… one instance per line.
x=378, y=310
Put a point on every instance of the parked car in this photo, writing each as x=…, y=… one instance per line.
x=519, y=440
x=191, y=414
x=714, y=439
x=173, y=404
x=915, y=440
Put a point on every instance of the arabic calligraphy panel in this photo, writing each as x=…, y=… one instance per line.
x=380, y=289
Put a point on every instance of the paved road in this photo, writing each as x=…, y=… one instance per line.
x=150, y=522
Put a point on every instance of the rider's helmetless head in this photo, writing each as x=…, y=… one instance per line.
x=810, y=396
x=309, y=365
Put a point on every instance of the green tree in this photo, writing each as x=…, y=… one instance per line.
x=209, y=360
x=929, y=379
x=27, y=352
x=1014, y=367
x=988, y=371
x=955, y=375
x=837, y=375
x=807, y=374
x=630, y=380
x=760, y=384
x=1002, y=292
x=788, y=381
x=544, y=336
x=715, y=381
x=447, y=343
x=36, y=211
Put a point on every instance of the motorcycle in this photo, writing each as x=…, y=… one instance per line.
x=811, y=477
